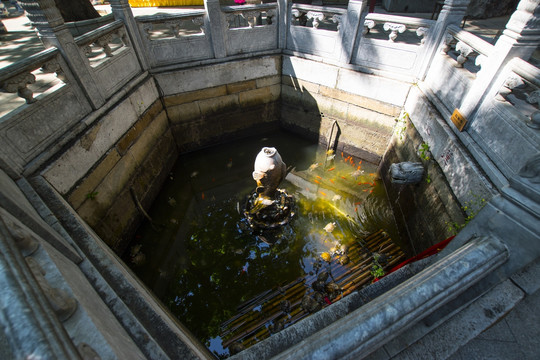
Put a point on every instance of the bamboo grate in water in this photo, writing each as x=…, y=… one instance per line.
x=259, y=317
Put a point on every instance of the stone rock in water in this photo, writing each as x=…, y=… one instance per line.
x=406, y=173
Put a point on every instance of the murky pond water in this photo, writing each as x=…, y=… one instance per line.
x=223, y=280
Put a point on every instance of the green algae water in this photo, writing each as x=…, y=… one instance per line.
x=200, y=257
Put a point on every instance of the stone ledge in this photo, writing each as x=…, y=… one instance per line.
x=81, y=192
x=132, y=134
x=259, y=96
x=241, y=86
x=528, y=279
x=369, y=327
x=93, y=209
x=455, y=332
x=191, y=96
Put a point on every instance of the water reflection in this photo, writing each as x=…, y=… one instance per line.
x=215, y=273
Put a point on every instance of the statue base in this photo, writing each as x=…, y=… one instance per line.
x=266, y=213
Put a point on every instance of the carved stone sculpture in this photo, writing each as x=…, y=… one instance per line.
x=406, y=173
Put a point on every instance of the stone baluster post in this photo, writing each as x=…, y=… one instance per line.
x=351, y=27
x=215, y=22
x=122, y=11
x=283, y=23
x=520, y=39
x=53, y=32
x=452, y=12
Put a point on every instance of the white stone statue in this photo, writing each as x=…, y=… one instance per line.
x=269, y=171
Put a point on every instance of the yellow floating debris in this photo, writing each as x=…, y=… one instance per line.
x=326, y=257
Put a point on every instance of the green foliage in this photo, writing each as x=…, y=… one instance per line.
x=401, y=124
x=377, y=270
x=424, y=151
x=471, y=208
x=92, y=195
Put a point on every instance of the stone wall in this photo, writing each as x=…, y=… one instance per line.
x=424, y=212
x=316, y=94
x=217, y=103
x=125, y=154
x=209, y=116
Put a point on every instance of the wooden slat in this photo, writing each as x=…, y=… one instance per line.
x=249, y=326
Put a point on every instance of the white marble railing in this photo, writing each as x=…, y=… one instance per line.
x=250, y=16
x=393, y=43
x=177, y=38
x=250, y=28
x=454, y=69
x=104, y=42
x=317, y=17
x=315, y=30
x=413, y=30
x=110, y=56
x=507, y=125
x=26, y=76
x=169, y=26
x=42, y=100
x=465, y=48
x=521, y=88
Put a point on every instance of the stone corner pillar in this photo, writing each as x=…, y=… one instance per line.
x=351, y=27
x=122, y=10
x=451, y=13
x=215, y=22
x=283, y=22
x=520, y=39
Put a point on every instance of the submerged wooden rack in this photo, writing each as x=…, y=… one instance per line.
x=261, y=316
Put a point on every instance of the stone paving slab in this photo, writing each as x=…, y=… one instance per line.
x=515, y=337
x=528, y=278
x=453, y=334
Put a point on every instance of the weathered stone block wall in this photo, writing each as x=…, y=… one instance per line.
x=313, y=95
x=220, y=102
x=126, y=153
x=425, y=211
x=213, y=115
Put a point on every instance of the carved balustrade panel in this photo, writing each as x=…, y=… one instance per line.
x=521, y=88
x=104, y=42
x=396, y=28
x=175, y=38
x=250, y=16
x=29, y=78
x=159, y=27
x=250, y=28
x=317, y=17
x=468, y=51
